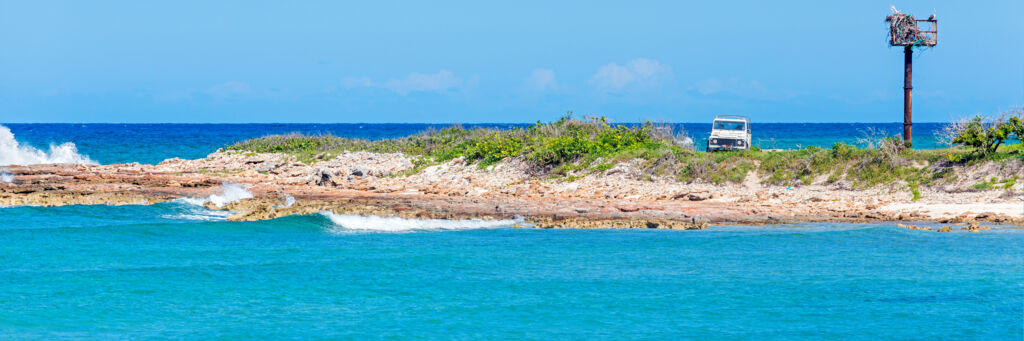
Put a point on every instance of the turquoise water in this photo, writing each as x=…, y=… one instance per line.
x=178, y=271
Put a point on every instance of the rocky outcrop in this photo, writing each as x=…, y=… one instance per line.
x=322, y=177
x=376, y=184
x=585, y=223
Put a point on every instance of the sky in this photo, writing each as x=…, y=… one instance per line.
x=482, y=61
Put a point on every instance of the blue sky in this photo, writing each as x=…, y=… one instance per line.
x=479, y=61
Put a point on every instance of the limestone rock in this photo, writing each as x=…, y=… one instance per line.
x=321, y=177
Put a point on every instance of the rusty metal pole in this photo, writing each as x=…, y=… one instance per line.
x=908, y=85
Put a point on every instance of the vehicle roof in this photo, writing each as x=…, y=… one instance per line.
x=731, y=117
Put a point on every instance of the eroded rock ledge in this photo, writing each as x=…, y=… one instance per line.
x=376, y=184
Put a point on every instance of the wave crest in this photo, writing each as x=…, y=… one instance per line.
x=230, y=192
x=198, y=214
x=13, y=153
x=345, y=222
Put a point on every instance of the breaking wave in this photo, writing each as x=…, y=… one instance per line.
x=230, y=192
x=13, y=153
x=199, y=214
x=344, y=222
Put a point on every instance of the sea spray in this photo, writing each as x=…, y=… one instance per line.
x=13, y=153
x=344, y=222
x=199, y=214
x=288, y=201
x=230, y=192
x=6, y=176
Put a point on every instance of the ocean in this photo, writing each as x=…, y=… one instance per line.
x=178, y=270
x=175, y=270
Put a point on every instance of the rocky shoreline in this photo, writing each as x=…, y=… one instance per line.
x=390, y=185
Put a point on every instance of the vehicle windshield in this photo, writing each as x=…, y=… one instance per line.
x=729, y=125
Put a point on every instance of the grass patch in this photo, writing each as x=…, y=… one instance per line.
x=995, y=182
x=914, y=191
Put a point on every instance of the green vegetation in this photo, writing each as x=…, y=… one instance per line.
x=987, y=136
x=553, y=144
x=914, y=191
x=863, y=167
x=995, y=182
x=569, y=148
x=984, y=136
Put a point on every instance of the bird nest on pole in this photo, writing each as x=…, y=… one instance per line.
x=904, y=30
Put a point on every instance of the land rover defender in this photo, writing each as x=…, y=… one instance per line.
x=729, y=132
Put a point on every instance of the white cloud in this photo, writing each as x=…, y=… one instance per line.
x=646, y=68
x=541, y=79
x=441, y=81
x=615, y=77
x=749, y=89
x=417, y=82
x=229, y=89
x=612, y=77
x=710, y=86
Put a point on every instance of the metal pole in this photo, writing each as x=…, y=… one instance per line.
x=908, y=60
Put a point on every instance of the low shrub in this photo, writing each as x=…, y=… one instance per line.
x=570, y=147
x=985, y=135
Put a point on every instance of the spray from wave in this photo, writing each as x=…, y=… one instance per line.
x=344, y=222
x=13, y=153
x=230, y=192
x=6, y=176
x=197, y=213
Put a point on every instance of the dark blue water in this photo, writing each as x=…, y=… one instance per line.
x=152, y=143
x=172, y=271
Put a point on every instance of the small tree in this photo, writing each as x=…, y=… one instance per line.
x=986, y=135
x=1017, y=125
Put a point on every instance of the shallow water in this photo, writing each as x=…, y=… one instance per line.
x=178, y=270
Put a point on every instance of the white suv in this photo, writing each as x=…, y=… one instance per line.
x=729, y=132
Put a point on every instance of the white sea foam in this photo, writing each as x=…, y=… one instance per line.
x=344, y=222
x=200, y=214
x=230, y=192
x=193, y=201
x=288, y=201
x=13, y=153
x=6, y=176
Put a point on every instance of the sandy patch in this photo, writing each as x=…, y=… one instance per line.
x=938, y=211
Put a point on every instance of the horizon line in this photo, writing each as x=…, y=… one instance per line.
x=449, y=123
